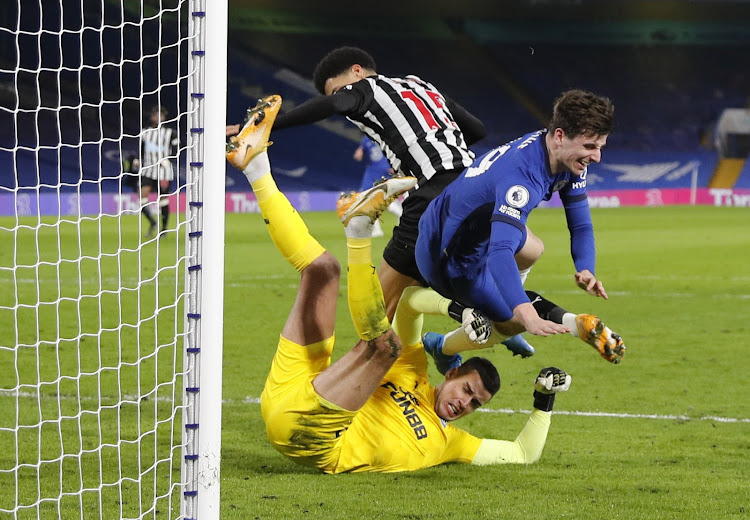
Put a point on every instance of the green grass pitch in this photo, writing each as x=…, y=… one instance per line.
x=664, y=435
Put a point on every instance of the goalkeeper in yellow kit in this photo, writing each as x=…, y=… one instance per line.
x=374, y=408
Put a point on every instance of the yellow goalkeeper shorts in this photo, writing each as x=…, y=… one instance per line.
x=299, y=423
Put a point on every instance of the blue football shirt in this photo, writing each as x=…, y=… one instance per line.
x=470, y=233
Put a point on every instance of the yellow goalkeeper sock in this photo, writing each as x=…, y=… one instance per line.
x=366, y=302
x=287, y=229
x=414, y=303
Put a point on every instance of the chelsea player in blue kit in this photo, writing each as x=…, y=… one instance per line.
x=474, y=246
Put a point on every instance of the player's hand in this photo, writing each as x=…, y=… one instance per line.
x=359, y=154
x=526, y=314
x=548, y=384
x=476, y=325
x=587, y=281
x=233, y=130
x=552, y=380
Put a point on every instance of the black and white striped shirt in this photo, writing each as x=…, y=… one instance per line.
x=411, y=121
x=157, y=145
x=421, y=132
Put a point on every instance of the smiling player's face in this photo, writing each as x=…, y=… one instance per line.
x=577, y=153
x=460, y=395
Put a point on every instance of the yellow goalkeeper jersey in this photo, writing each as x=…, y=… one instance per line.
x=398, y=429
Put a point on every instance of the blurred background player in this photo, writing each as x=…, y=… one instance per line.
x=376, y=168
x=158, y=143
x=373, y=409
x=473, y=237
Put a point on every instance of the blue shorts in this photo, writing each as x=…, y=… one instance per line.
x=470, y=283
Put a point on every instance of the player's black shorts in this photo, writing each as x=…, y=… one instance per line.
x=399, y=253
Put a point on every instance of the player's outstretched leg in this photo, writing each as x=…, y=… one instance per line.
x=164, y=210
x=351, y=380
x=598, y=335
x=478, y=332
x=358, y=212
x=519, y=346
x=371, y=203
x=414, y=304
x=287, y=229
x=146, y=212
x=433, y=345
x=586, y=326
x=252, y=139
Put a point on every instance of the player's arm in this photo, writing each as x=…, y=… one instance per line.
x=472, y=128
x=317, y=109
x=528, y=446
x=311, y=111
x=505, y=237
x=582, y=244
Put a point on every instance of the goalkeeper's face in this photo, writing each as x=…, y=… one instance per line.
x=459, y=395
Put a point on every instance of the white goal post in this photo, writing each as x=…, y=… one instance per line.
x=112, y=199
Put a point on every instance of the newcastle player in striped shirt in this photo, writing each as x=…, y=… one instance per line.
x=158, y=143
x=421, y=132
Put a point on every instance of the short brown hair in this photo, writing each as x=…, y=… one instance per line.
x=578, y=112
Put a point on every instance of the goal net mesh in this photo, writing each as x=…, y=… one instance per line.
x=94, y=311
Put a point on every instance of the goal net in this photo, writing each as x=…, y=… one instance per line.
x=103, y=256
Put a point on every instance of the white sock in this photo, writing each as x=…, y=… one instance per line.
x=457, y=341
x=359, y=227
x=569, y=320
x=258, y=167
x=524, y=274
x=395, y=208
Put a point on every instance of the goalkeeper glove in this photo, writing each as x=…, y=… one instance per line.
x=475, y=324
x=548, y=383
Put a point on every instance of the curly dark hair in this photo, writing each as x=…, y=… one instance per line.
x=338, y=61
x=486, y=371
x=579, y=112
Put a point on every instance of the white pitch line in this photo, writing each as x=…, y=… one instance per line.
x=255, y=280
x=508, y=411
x=670, y=277
x=626, y=415
x=718, y=296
